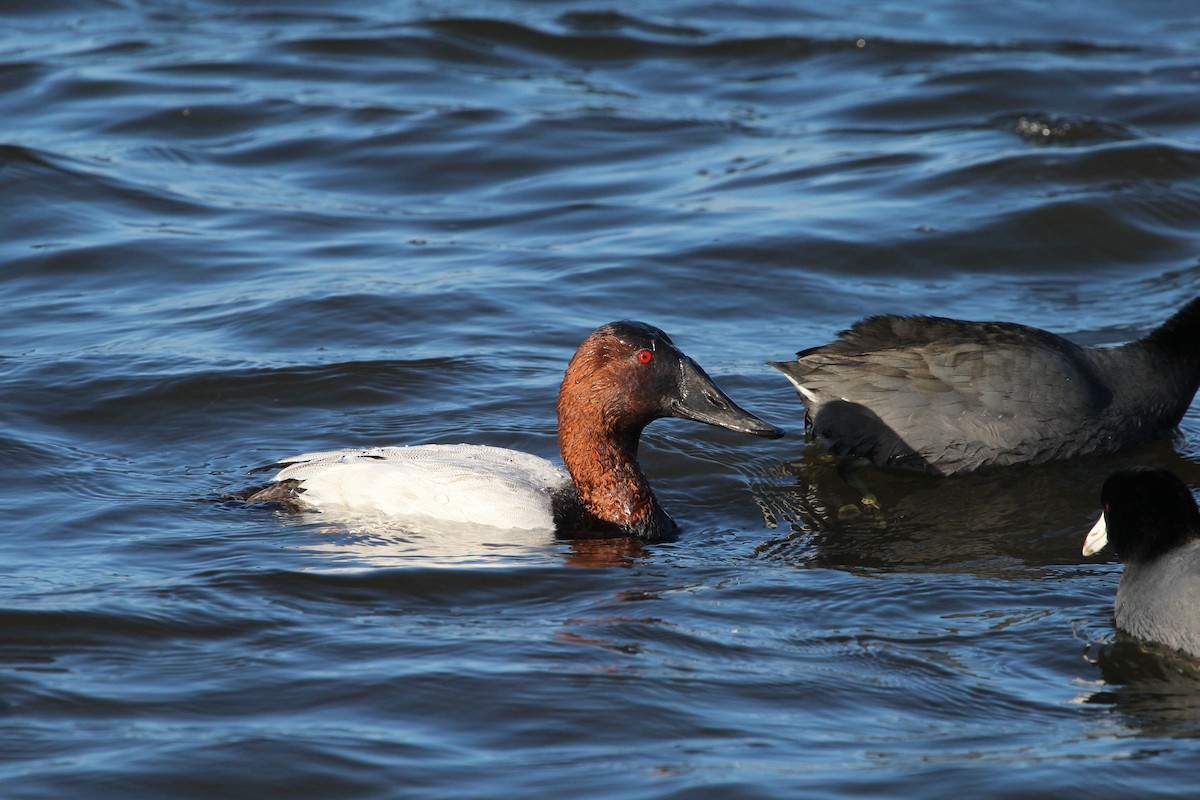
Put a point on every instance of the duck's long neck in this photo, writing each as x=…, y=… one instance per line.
x=603, y=464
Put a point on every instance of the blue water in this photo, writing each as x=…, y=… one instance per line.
x=234, y=231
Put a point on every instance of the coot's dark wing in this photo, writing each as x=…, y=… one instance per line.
x=946, y=395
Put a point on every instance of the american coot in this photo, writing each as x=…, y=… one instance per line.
x=624, y=376
x=944, y=396
x=1151, y=520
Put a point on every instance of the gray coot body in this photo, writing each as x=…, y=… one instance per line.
x=945, y=396
x=1151, y=520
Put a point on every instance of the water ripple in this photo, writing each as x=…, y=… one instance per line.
x=231, y=233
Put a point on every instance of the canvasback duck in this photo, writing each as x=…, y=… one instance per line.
x=624, y=376
x=1151, y=520
x=946, y=396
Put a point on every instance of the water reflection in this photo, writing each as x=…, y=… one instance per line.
x=373, y=541
x=614, y=552
x=1155, y=689
x=984, y=523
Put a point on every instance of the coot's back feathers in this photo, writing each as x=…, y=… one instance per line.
x=944, y=395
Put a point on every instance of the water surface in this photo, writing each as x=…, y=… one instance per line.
x=230, y=232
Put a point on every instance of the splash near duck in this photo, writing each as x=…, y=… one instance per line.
x=947, y=396
x=624, y=376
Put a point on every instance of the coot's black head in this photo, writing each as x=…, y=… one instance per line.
x=1147, y=513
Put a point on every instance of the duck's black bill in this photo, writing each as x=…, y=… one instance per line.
x=701, y=399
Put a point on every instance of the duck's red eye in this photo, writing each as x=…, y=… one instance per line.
x=645, y=356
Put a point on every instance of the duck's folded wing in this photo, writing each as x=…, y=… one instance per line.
x=455, y=483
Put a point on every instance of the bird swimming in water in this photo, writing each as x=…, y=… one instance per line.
x=1151, y=520
x=946, y=396
x=624, y=376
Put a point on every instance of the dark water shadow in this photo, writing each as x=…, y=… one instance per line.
x=984, y=523
x=1155, y=690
